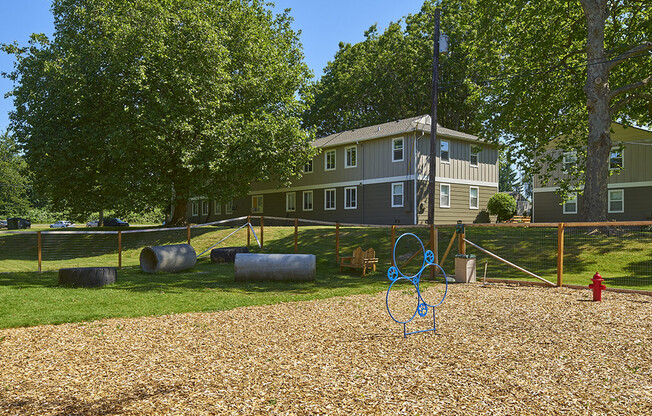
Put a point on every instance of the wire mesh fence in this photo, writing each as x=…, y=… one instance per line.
x=533, y=248
x=620, y=252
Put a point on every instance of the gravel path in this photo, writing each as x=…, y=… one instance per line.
x=499, y=350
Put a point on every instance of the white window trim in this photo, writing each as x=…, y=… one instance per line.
x=334, y=199
x=402, y=194
x=402, y=149
x=441, y=142
x=477, y=155
x=572, y=154
x=346, y=158
x=611, y=191
x=252, y=204
x=303, y=201
x=217, y=208
x=312, y=167
x=195, y=209
x=441, y=205
x=205, y=204
x=478, y=197
x=287, y=205
x=564, y=210
x=228, y=209
x=355, y=206
x=622, y=157
x=326, y=160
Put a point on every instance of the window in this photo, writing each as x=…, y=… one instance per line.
x=257, y=204
x=444, y=196
x=204, y=207
x=229, y=207
x=307, y=168
x=570, y=159
x=616, y=159
x=195, y=209
x=217, y=207
x=616, y=201
x=307, y=201
x=475, y=153
x=329, y=199
x=443, y=146
x=570, y=206
x=350, y=197
x=351, y=157
x=474, y=197
x=397, y=194
x=329, y=160
x=291, y=201
x=397, y=150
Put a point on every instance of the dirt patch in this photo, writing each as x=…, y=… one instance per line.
x=498, y=350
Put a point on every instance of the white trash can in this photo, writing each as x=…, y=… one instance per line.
x=465, y=268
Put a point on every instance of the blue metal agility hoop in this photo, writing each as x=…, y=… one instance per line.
x=394, y=274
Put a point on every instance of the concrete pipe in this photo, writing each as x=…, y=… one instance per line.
x=172, y=258
x=88, y=276
x=277, y=267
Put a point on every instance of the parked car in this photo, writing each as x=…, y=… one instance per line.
x=93, y=223
x=60, y=224
x=18, y=223
x=3, y=224
x=115, y=222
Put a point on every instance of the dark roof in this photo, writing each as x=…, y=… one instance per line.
x=393, y=128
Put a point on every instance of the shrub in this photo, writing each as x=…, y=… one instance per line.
x=503, y=206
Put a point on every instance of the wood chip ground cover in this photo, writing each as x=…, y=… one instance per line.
x=498, y=350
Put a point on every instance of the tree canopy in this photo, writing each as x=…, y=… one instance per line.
x=561, y=73
x=388, y=76
x=141, y=103
x=14, y=179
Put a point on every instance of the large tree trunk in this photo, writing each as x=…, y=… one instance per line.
x=179, y=214
x=597, y=91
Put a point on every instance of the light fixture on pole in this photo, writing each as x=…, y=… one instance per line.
x=440, y=46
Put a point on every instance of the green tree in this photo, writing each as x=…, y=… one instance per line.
x=137, y=104
x=562, y=72
x=14, y=179
x=507, y=176
x=503, y=206
x=388, y=76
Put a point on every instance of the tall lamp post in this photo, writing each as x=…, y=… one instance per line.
x=440, y=46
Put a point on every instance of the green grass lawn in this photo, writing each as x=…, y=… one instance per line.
x=29, y=298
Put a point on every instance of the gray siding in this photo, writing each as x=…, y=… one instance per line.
x=459, y=204
x=637, y=204
x=459, y=166
x=637, y=161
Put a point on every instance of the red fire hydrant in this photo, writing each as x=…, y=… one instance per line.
x=597, y=287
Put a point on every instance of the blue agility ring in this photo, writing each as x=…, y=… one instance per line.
x=394, y=274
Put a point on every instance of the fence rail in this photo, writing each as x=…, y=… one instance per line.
x=565, y=253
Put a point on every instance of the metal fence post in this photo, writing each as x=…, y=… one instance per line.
x=296, y=235
x=391, y=252
x=261, y=231
x=248, y=230
x=337, y=243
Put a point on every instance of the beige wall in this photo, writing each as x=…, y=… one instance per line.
x=459, y=204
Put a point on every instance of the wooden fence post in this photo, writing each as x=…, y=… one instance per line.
x=391, y=251
x=337, y=243
x=119, y=249
x=188, y=234
x=435, y=244
x=560, y=254
x=40, y=249
x=261, y=231
x=296, y=235
x=432, y=248
x=462, y=243
x=248, y=230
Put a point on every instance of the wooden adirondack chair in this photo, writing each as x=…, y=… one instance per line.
x=360, y=260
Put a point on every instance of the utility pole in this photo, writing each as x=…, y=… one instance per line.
x=433, y=123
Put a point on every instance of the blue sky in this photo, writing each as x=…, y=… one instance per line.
x=323, y=23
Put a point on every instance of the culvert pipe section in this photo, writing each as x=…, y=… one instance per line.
x=172, y=258
x=276, y=267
